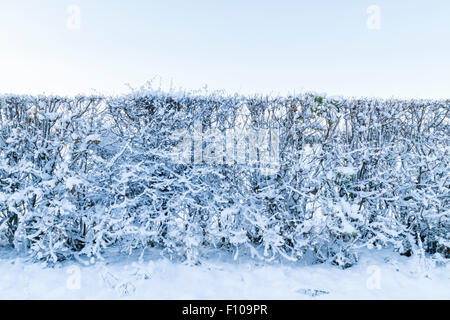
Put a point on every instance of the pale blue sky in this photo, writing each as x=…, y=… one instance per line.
x=245, y=46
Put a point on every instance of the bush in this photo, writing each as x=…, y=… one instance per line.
x=279, y=177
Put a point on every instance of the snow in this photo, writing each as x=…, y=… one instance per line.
x=72, y=182
x=379, y=275
x=91, y=175
x=347, y=170
x=93, y=137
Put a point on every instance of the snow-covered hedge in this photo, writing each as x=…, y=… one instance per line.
x=79, y=175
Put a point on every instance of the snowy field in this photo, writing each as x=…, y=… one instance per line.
x=378, y=275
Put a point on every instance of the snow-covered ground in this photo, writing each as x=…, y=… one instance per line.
x=378, y=275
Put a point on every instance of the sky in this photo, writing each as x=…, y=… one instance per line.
x=376, y=48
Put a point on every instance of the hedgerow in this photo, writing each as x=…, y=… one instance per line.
x=81, y=175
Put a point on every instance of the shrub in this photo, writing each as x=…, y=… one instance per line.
x=79, y=175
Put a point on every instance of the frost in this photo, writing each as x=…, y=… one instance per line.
x=81, y=176
x=346, y=170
